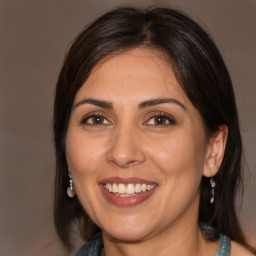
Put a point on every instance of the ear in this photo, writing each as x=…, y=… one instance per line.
x=215, y=151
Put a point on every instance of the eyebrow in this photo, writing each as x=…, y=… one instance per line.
x=99, y=103
x=144, y=104
x=154, y=102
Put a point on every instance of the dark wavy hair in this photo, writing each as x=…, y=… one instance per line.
x=203, y=76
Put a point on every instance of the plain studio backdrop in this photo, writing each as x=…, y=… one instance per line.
x=34, y=36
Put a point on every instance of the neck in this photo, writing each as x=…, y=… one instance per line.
x=186, y=241
x=182, y=237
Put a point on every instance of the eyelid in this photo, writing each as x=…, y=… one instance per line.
x=152, y=115
x=95, y=114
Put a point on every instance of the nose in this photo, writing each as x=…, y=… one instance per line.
x=126, y=148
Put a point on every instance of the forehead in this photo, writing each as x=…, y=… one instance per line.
x=137, y=72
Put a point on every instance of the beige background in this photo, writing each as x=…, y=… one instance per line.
x=33, y=38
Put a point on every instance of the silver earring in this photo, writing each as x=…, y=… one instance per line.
x=70, y=190
x=212, y=192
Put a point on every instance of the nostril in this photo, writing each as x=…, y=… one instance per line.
x=124, y=148
x=124, y=164
x=125, y=161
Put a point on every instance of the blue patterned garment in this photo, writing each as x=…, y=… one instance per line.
x=95, y=245
x=92, y=248
x=224, y=247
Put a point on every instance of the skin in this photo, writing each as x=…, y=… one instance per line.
x=129, y=142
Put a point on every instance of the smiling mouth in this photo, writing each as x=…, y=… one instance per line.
x=127, y=190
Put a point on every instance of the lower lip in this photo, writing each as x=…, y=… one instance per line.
x=129, y=200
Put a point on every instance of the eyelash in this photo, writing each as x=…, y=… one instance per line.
x=95, y=115
x=162, y=116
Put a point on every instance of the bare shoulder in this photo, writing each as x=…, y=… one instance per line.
x=239, y=250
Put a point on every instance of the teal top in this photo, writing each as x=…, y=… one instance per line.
x=224, y=247
x=94, y=246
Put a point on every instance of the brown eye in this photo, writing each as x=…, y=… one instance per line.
x=95, y=120
x=160, y=120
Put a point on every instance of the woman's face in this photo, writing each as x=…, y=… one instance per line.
x=136, y=147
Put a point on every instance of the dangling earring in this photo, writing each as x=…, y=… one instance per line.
x=213, y=184
x=70, y=190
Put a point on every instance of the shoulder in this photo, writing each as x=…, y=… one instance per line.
x=239, y=250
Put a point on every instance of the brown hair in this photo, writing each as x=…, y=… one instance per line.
x=203, y=76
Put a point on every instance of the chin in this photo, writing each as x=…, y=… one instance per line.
x=126, y=237
x=128, y=233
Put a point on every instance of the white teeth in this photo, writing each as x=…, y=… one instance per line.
x=138, y=188
x=144, y=187
x=149, y=187
x=109, y=188
x=114, y=188
x=121, y=189
x=129, y=189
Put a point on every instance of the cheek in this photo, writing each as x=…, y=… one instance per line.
x=84, y=153
x=85, y=156
x=179, y=155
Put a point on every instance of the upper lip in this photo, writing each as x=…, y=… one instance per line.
x=129, y=180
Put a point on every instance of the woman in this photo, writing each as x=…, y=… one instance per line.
x=147, y=139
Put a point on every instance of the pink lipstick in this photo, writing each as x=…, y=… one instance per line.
x=126, y=192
